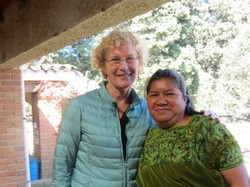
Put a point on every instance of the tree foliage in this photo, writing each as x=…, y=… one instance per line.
x=205, y=40
x=78, y=54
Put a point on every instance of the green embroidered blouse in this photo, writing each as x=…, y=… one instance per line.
x=188, y=155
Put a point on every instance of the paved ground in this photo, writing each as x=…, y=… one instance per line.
x=241, y=132
x=41, y=183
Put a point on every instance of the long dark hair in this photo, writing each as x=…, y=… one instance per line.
x=179, y=80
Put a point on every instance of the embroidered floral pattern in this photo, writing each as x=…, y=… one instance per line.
x=202, y=140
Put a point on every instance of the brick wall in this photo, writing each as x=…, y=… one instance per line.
x=48, y=140
x=12, y=154
x=44, y=134
x=12, y=148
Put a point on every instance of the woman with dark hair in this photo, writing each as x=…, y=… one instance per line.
x=186, y=149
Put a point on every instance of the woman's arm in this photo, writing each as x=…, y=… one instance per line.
x=237, y=176
x=67, y=146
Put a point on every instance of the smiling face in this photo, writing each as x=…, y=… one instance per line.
x=166, y=102
x=123, y=75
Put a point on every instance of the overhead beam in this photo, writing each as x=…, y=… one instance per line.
x=36, y=28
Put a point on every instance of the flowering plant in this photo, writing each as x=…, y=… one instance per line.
x=57, y=90
x=55, y=96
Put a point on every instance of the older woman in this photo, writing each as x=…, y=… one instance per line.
x=186, y=149
x=102, y=132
